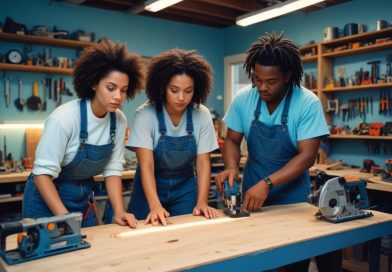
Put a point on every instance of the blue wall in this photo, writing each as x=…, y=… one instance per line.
x=302, y=28
x=143, y=35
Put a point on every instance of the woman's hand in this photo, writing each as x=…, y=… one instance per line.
x=123, y=218
x=156, y=215
x=208, y=211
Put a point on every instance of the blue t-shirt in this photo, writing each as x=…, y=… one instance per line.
x=305, y=117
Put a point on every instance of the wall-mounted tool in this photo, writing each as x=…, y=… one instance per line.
x=340, y=200
x=19, y=102
x=42, y=237
x=375, y=71
x=333, y=106
x=389, y=69
x=34, y=102
x=45, y=83
x=5, y=147
x=7, y=94
x=233, y=200
x=344, y=109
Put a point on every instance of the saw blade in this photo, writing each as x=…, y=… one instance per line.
x=330, y=212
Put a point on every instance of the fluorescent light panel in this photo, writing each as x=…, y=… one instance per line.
x=156, y=5
x=20, y=125
x=274, y=11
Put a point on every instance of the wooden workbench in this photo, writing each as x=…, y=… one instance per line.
x=276, y=236
x=22, y=176
x=374, y=183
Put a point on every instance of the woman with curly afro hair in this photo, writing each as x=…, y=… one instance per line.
x=84, y=137
x=173, y=136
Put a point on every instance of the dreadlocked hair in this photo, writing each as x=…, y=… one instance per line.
x=273, y=50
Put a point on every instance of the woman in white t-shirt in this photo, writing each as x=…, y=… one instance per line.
x=84, y=137
x=173, y=136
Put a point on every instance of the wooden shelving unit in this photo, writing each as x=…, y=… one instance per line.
x=359, y=87
x=36, y=69
x=361, y=50
x=311, y=49
x=29, y=39
x=43, y=40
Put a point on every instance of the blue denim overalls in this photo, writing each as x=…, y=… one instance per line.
x=75, y=181
x=174, y=160
x=270, y=148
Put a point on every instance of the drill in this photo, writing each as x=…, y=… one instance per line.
x=233, y=200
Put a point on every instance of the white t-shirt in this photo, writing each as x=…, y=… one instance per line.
x=60, y=139
x=145, y=130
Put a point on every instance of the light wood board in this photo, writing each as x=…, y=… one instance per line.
x=191, y=241
x=33, y=135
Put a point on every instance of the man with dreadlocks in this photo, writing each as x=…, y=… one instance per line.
x=282, y=123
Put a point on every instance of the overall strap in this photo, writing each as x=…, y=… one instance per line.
x=161, y=120
x=284, y=117
x=112, y=128
x=83, y=123
x=189, y=123
x=258, y=109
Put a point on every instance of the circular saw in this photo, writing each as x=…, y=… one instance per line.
x=339, y=200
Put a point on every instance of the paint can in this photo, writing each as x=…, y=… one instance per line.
x=331, y=33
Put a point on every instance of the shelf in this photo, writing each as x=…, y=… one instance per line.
x=37, y=69
x=358, y=87
x=44, y=40
x=360, y=50
x=387, y=32
x=309, y=59
x=11, y=199
x=306, y=49
x=360, y=137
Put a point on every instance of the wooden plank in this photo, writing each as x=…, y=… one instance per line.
x=35, y=69
x=33, y=135
x=44, y=40
x=380, y=181
x=190, y=241
x=346, y=172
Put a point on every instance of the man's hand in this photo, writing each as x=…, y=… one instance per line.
x=255, y=196
x=229, y=174
x=123, y=218
x=157, y=215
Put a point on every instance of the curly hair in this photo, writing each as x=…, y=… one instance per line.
x=99, y=60
x=176, y=62
x=272, y=50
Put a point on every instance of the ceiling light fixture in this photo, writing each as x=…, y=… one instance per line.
x=274, y=11
x=156, y=5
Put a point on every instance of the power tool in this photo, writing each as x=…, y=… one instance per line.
x=339, y=200
x=233, y=200
x=38, y=238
